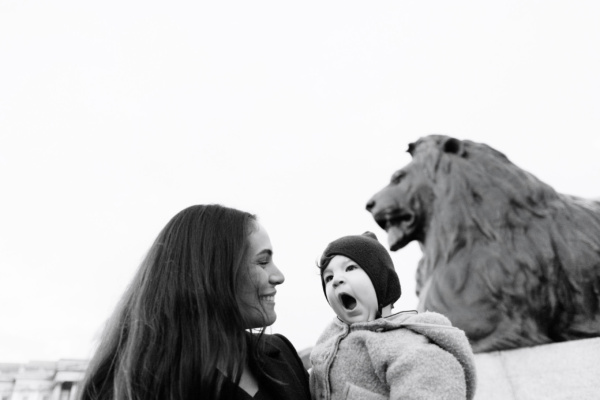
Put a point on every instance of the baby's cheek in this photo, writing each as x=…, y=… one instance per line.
x=330, y=295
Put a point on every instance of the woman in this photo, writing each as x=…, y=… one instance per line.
x=183, y=327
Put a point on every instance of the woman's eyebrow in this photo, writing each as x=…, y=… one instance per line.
x=265, y=251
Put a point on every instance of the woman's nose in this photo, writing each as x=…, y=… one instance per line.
x=276, y=276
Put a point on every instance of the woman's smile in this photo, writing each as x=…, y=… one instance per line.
x=268, y=298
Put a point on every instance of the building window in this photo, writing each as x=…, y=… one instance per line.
x=65, y=390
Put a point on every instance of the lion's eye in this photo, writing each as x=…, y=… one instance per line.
x=397, y=177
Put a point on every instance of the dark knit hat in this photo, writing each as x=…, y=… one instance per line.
x=373, y=258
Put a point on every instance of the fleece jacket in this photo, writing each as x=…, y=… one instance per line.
x=407, y=355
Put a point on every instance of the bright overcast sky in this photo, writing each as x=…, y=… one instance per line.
x=117, y=115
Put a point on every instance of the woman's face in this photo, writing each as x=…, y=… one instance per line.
x=257, y=291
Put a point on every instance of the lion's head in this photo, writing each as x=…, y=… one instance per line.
x=471, y=181
x=504, y=254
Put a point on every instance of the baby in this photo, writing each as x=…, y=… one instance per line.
x=368, y=353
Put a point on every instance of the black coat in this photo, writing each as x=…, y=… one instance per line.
x=280, y=362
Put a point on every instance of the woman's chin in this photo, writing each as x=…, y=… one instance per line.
x=263, y=321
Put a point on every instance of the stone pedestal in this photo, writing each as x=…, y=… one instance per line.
x=558, y=371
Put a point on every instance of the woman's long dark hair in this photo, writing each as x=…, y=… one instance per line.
x=179, y=319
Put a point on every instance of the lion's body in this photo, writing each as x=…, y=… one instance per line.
x=508, y=259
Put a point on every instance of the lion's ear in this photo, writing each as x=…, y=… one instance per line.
x=454, y=146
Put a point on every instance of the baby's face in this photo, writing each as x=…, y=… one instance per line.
x=349, y=290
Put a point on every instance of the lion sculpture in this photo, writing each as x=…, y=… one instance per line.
x=506, y=258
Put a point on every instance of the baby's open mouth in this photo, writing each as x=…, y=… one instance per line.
x=348, y=301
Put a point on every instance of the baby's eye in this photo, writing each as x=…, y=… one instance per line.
x=327, y=278
x=351, y=267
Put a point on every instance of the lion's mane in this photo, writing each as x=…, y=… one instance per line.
x=505, y=257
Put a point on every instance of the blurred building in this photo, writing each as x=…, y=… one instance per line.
x=41, y=380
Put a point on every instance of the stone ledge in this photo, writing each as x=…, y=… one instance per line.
x=557, y=371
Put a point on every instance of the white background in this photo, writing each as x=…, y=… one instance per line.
x=117, y=115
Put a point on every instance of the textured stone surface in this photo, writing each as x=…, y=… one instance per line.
x=569, y=370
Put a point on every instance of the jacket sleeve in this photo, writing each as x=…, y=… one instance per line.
x=416, y=369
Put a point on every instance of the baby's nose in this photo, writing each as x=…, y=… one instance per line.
x=338, y=281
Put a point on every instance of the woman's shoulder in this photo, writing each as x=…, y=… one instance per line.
x=277, y=343
x=278, y=339
x=283, y=364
